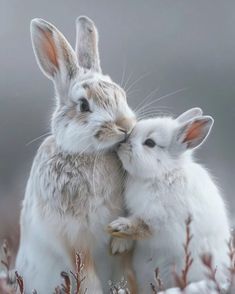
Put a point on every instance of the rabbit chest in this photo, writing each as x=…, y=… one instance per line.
x=78, y=185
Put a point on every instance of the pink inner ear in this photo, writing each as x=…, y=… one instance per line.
x=49, y=48
x=194, y=131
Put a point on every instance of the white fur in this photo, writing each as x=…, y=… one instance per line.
x=75, y=185
x=164, y=186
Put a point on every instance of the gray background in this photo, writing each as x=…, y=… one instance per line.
x=170, y=44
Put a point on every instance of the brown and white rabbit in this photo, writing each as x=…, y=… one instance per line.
x=75, y=186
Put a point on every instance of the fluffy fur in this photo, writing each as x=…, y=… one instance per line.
x=75, y=185
x=164, y=186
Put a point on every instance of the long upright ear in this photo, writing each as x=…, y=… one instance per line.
x=193, y=133
x=189, y=114
x=54, y=55
x=87, y=44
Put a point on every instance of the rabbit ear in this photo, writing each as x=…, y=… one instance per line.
x=87, y=44
x=189, y=114
x=193, y=133
x=54, y=55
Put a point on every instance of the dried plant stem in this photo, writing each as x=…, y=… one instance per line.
x=182, y=280
x=20, y=282
x=78, y=274
x=7, y=258
x=207, y=260
x=231, y=269
x=66, y=287
x=159, y=284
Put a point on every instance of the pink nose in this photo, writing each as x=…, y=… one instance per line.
x=125, y=124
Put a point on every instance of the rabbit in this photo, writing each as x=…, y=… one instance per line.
x=164, y=188
x=75, y=185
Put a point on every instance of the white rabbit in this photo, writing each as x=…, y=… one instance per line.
x=75, y=186
x=164, y=186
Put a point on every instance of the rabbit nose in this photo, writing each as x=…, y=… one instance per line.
x=125, y=124
x=125, y=133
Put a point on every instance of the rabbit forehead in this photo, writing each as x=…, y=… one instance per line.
x=99, y=88
x=159, y=129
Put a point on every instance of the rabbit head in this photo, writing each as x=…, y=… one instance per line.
x=156, y=146
x=91, y=110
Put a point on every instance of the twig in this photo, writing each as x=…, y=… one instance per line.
x=66, y=287
x=207, y=260
x=57, y=290
x=20, y=282
x=7, y=258
x=159, y=284
x=78, y=274
x=182, y=280
x=231, y=268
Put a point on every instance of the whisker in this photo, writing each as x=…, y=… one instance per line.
x=34, y=140
x=83, y=151
x=132, y=92
x=123, y=75
x=137, y=80
x=154, y=110
x=171, y=94
x=146, y=99
x=163, y=97
x=127, y=81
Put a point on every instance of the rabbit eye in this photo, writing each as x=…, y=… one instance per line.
x=150, y=143
x=84, y=105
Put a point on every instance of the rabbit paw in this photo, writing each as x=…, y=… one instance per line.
x=118, y=245
x=121, y=228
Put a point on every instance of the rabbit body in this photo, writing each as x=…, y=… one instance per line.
x=75, y=186
x=188, y=190
x=64, y=211
x=164, y=187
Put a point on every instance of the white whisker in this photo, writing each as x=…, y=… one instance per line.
x=137, y=80
x=146, y=99
x=127, y=81
x=123, y=75
x=34, y=140
x=163, y=97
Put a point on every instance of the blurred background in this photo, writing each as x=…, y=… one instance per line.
x=185, y=46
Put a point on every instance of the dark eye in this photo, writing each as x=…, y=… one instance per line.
x=150, y=143
x=84, y=105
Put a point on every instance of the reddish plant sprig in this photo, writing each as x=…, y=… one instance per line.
x=207, y=260
x=231, y=269
x=57, y=290
x=6, y=262
x=231, y=255
x=159, y=284
x=20, y=282
x=78, y=274
x=153, y=288
x=182, y=280
x=66, y=287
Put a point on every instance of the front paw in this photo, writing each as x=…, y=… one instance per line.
x=121, y=228
x=118, y=245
